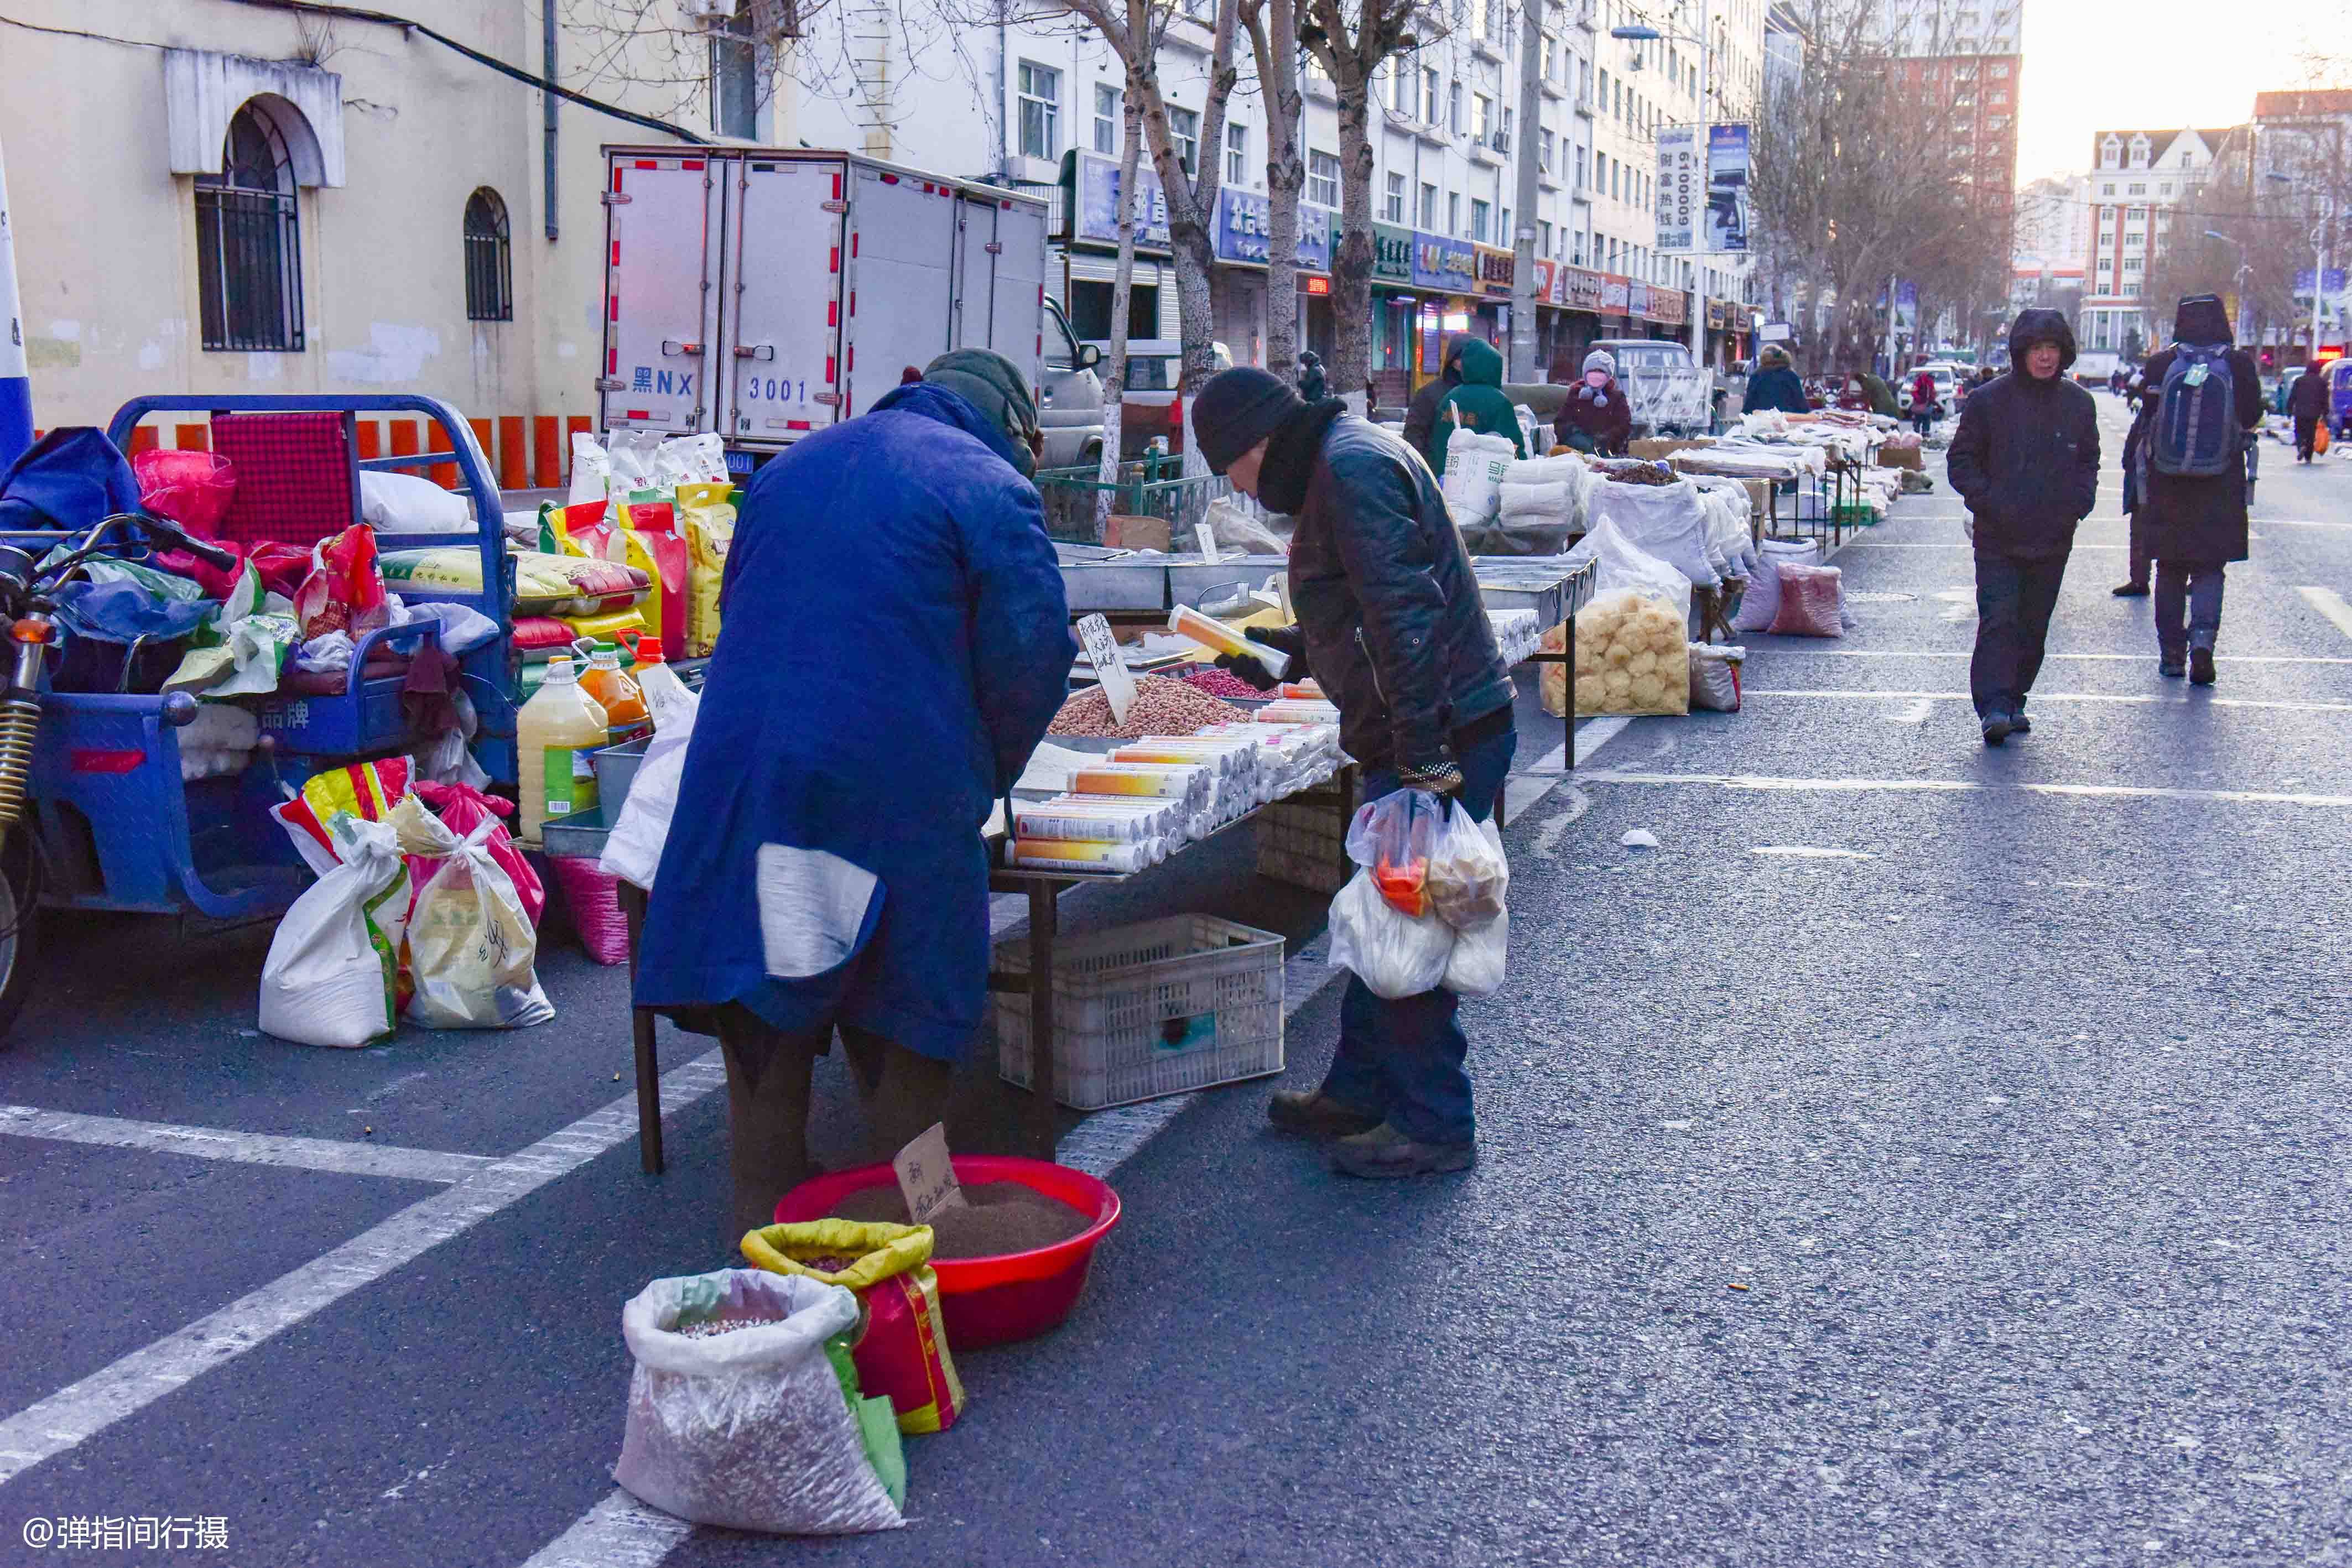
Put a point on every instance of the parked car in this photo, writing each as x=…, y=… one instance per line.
x=1947, y=379
x=1150, y=409
x=1666, y=387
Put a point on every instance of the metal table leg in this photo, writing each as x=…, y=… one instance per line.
x=641, y=1035
x=1567, y=744
x=1045, y=912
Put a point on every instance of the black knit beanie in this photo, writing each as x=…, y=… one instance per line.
x=1238, y=409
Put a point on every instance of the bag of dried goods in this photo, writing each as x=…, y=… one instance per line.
x=901, y=1346
x=344, y=592
x=470, y=946
x=1630, y=659
x=1467, y=873
x=1714, y=677
x=1473, y=484
x=1393, y=838
x=333, y=966
x=1810, y=601
x=740, y=1416
x=708, y=517
x=1666, y=521
x=1394, y=954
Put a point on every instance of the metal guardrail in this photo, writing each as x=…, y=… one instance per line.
x=1152, y=486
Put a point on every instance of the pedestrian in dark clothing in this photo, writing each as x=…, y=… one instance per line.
x=1421, y=413
x=2306, y=402
x=1775, y=384
x=2196, y=523
x=2143, y=559
x=1596, y=417
x=1310, y=375
x=1391, y=622
x=1479, y=403
x=2026, y=460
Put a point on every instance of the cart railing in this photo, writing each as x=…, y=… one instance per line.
x=1152, y=486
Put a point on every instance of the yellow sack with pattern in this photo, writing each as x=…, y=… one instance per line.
x=707, y=517
x=901, y=1346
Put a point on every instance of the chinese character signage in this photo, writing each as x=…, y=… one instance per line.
x=1496, y=268
x=1546, y=283
x=1666, y=307
x=1679, y=179
x=1581, y=290
x=1442, y=263
x=1097, y=207
x=1391, y=255
x=1245, y=220
x=1615, y=293
x=1727, y=189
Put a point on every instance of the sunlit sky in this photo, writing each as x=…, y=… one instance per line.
x=2092, y=65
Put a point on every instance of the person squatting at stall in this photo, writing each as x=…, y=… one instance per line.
x=898, y=640
x=2026, y=461
x=2194, y=524
x=1392, y=625
x=1595, y=416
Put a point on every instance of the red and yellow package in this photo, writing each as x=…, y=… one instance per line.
x=365, y=789
x=901, y=1344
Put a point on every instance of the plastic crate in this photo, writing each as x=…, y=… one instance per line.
x=1151, y=1010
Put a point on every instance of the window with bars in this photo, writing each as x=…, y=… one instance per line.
x=249, y=243
x=489, y=264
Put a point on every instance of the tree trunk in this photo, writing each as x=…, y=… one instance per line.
x=1122, y=289
x=1352, y=267
x=1274, y=41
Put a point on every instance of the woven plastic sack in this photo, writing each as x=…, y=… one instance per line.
x=333, y=966
x=1623, y=566
x=1392, y=838
x=1474, y=464
x=1810, y=601
x=1666, y=521
x=1762, y=600
x=901, y=1346
x=462, y=807
x=470, y=946
x=1467, y=873
x=1714, y=677
x=592, y=897
x=1393, y=953
x=751, y=1429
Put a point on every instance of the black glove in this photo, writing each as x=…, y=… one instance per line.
x=1441, y=777
x=1287, y=640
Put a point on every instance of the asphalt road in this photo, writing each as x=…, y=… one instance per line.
x=2010, y=1085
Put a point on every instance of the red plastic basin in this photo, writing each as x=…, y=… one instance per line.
x=991, y=1301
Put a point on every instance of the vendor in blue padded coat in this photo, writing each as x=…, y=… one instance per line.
x=897, y=641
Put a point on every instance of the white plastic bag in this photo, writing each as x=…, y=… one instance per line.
x=1663, y=520
x=689, y=460
x=1473, y=474
x=411, y=503
x=1476, y=969
x=329, y=978
x=471, y=943
x=1233, y=526
x=1624, y=565
x=591, y=470
x=632, y=851
x=748, y=1430
x=1468, y=875
x=1394, y=954
x=1714, y=677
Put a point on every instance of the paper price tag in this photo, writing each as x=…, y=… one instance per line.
x=1102, y=652
x=1206, y=537
x=927, y=1177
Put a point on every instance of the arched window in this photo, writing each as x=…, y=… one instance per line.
x=250, y=242
x=490, y=270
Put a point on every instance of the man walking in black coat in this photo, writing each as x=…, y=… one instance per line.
x=2026, y=461
x=2308, y=401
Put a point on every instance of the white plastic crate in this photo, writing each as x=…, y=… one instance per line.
x=1151, y=1010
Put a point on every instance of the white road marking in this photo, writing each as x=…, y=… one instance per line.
x=2330, y=603
x=1547, y=837
x=1957, y=544
x=618, y=1532
x=1966, y=654
x=81, y=1410
x=1963, y=787
x=2303, y=523
x=2170, y=699
x=1811, y=852
x=246, y=1148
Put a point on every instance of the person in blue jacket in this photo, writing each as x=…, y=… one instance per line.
x=897, y=641
x=1775, y=384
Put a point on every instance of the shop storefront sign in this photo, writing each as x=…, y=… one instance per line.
x=1391, y=255
x=1495, y=270
x=1718, y=315
x=1637, y=301
x=1582, y=290
x=1546, y=283
x=1444, y=264
x=1615, y=294
x=1246, y=218
x=1668, y=305
x=1095, y=207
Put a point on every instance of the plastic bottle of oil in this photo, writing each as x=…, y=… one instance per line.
x=624, y=703
x=557, y=730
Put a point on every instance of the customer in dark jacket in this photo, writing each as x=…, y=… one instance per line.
x=1421, y=413
x=2195, y=525
x=1391, y=622
x=1596, y=417
x=2026, y=461
x=2306, y=404
x=1775, y=384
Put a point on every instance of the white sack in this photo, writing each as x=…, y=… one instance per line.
x=329, y=976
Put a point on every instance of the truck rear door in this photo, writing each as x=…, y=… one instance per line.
x=661, y=293
x=1017, y=315
x=786, y=254
x=901, y=282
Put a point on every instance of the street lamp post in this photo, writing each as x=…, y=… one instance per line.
x=1638, y=33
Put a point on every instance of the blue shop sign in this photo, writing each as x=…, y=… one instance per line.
x=1446, y=264
x=1245, y=220
x=1097, y=204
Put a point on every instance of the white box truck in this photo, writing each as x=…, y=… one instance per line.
x=767, y=293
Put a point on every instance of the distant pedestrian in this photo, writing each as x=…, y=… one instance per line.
x=2307, y=401
x=1595, y=416
x=1775, y=384
x=1478, y=404
x=1923, y=403
x=2195, y=500
x=1880, y=396
x=2143, y=559
x=1420, y=412
x=1310, y=376
x=2026, y=460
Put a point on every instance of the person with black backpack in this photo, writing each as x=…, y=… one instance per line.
x=2026, y=461
x=2204, y=396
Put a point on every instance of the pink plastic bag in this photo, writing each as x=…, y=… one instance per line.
x=1808, y=602
x=462, y=807
x=592, y=896
x=192, y=489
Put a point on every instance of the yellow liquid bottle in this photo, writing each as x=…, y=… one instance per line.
x=557, y=732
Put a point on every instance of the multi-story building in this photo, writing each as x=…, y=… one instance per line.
x=1962, y=58
x=2138, y=179
x=2305, y=140
x=2053, y=222
x=1040, y=106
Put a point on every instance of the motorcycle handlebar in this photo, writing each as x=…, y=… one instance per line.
x=169, y=535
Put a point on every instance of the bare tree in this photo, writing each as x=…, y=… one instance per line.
x=1122, y=291
x=649, y=51
x=1274, y=45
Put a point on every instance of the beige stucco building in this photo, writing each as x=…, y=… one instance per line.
x=213, y=196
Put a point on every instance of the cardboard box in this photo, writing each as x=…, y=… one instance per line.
x=1125, y=530
x=1903, y=457
x=1651, y=450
